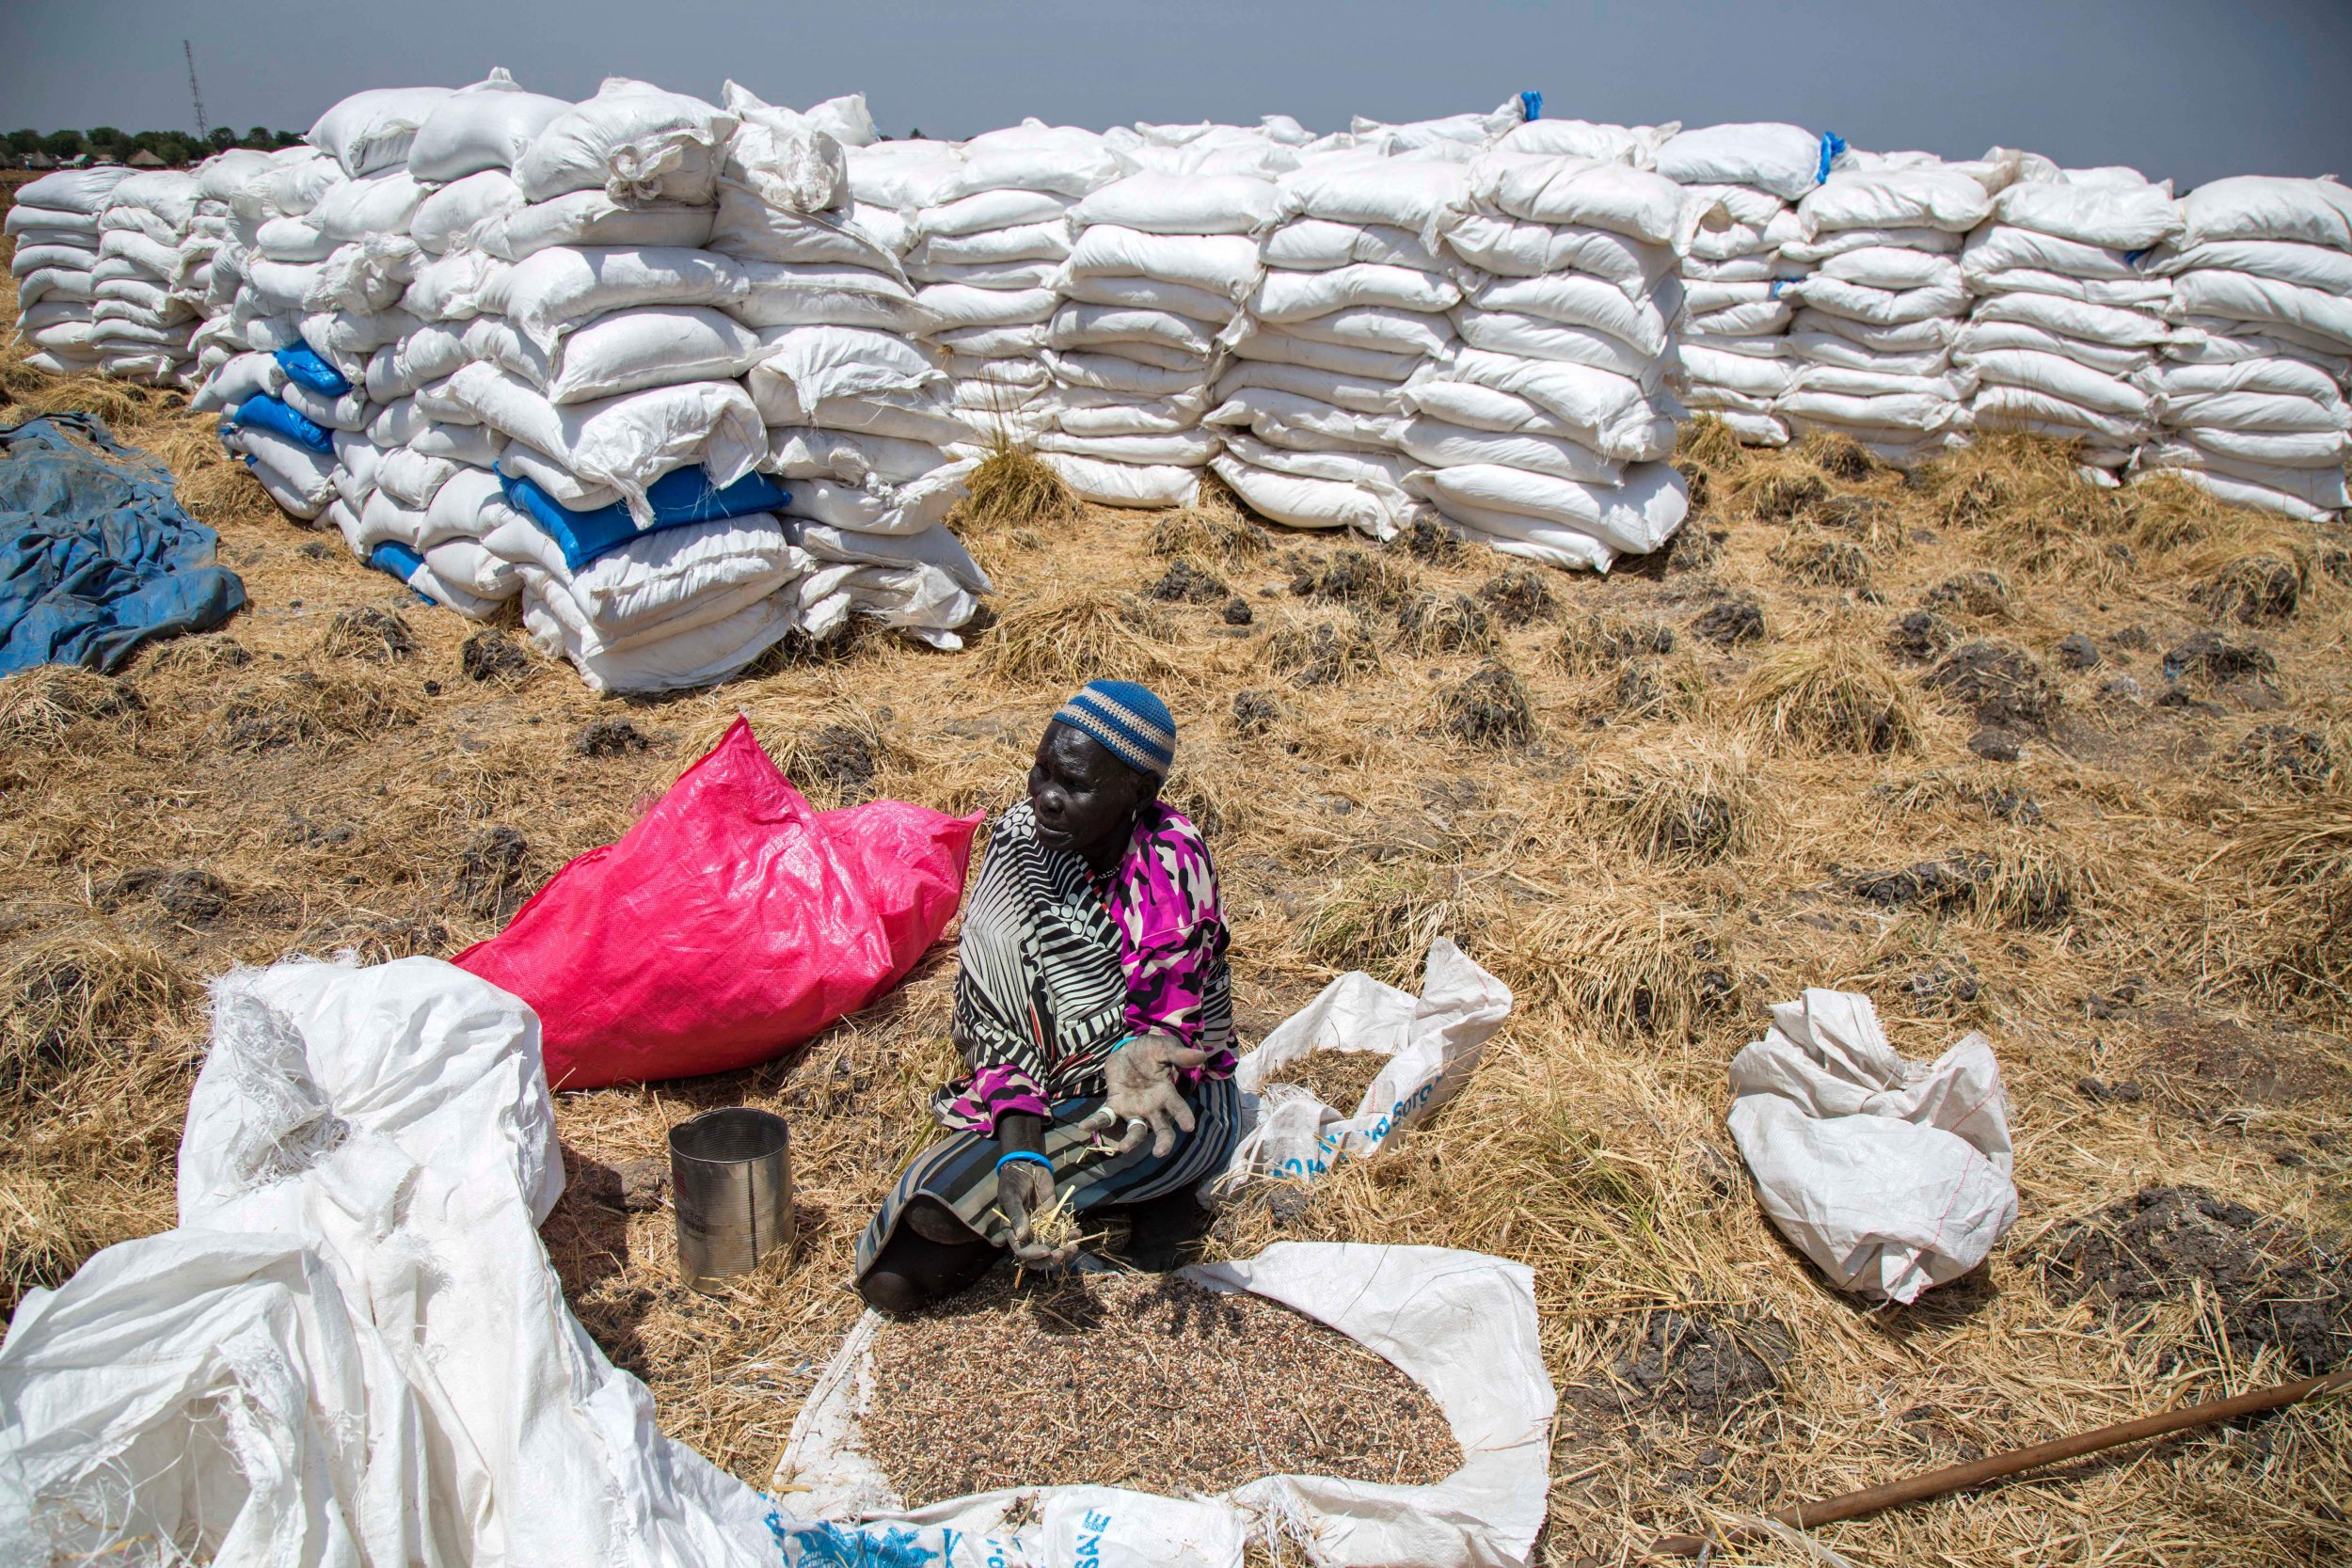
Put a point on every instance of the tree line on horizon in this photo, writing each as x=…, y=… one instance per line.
x=175, y=148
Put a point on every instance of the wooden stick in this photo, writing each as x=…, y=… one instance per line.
x=1935, y=1483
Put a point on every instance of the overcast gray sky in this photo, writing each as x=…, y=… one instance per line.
x=2190, y=88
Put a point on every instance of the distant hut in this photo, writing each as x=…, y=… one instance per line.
x=38, y=159
x=145, y=159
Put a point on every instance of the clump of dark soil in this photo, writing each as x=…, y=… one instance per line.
x=1516, y=596
x=838, y=755
x=1254, y=712
x=494, y=873
x=2077, y=653
x=1841, y=457
x=1966, y=880
x=1783, y=497
x=1920, y=635
x=1690, y=1367
x=1731, y=623
x=1491, y=710
x=1443, y=624
x=2000, y=682
x=2275, y=1287
x=1356, y=578
x=2283, y=756
x=1324, y=654
x=1604, y=642
x=2253, y=588
x=1864, y=516
x=2219, y=1065
x=488, y=655
x=1647, y=687
x=1981, y=594
x=1237, y=612
x=1697, y=545
x=610, y=738
x=1425, y=541
x=376, y=635
x=2213, y=656
x=1187, y=582
x=189, y=893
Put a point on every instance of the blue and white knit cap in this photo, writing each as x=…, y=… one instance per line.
x=1131, y=724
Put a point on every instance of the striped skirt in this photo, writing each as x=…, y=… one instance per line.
x=961, y=1170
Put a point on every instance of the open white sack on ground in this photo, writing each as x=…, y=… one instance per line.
x=1891, y=1175
x=354, y=1350
x=1461, y=1324
x=1432, y=1042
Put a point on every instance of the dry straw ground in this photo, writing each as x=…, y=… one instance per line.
x=1652, y=802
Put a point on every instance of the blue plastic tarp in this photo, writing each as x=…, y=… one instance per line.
x=680, y=497
x=96, y=555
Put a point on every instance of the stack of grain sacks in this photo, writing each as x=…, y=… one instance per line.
x=55, y=224
x=2064, y=326
x=221, y=181
x=496, y=342
x=2249, y=395
x=989, y=228
x=1155, y=287
x=151, y=279
x=859, y=417
x=266, y=273
x=1738, y=362
x=1885, y=300
x=1355, y=300
x=1544, y=434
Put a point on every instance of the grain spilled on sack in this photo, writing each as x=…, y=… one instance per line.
x=1136, y=1381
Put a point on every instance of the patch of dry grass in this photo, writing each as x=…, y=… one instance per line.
x=1589, y=1144
x=1833, y=696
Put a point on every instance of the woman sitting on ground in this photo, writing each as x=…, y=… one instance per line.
x=1092, y=1010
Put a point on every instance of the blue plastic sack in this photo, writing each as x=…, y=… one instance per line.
x=96, y=554
x=680, y=497
x=1530, y=105
x=301, y=363
x=267, y=413
x=397, y=559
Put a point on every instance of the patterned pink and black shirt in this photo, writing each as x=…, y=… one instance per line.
x=1057, y=966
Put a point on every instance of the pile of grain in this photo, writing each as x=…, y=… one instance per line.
x=1136, y=1381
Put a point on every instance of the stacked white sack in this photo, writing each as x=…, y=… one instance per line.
x=1736, y=358
x=1544, y=434
x=1459, y=137
x=1154, y=288
x=858, y=417
x=1885, y=300
x=55, y=224
x=1355, y=301
x=571, y=310
x=989, y=231
x=150, y=279
x=221, y=181
x=2064, y=326
x=2250, y=394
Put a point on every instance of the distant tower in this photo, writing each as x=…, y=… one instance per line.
x=203, y=131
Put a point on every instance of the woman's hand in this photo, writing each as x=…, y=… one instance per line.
x=1140, y=1089
x=1024, y=1188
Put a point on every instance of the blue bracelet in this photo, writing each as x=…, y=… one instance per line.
x=1025, y=1154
